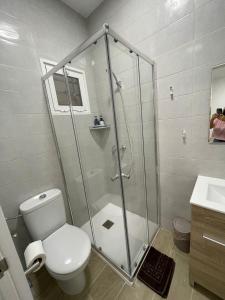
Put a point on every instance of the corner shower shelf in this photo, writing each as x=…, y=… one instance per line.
x=99, y=127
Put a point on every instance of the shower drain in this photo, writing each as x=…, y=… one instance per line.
x=108, y=224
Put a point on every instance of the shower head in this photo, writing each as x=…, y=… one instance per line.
x=118, y=82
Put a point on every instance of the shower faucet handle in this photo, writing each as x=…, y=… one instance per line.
x=127, y=176
x=115, y=177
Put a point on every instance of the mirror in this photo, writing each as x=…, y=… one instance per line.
x=217, y=106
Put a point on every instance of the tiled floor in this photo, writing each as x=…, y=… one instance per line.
x=104, y=284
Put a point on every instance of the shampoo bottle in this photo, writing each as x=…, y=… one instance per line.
x=101, y=121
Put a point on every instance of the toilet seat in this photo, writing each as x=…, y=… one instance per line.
x=67, y=251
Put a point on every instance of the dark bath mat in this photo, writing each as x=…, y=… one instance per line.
x=157, y=272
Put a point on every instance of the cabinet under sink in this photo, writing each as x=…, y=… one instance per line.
x=207, y=253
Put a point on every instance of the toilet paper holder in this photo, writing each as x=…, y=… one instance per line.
x=32, y=268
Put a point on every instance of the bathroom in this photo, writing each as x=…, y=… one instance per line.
x=125, y=135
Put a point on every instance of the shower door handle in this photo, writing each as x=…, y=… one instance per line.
x=127, y=176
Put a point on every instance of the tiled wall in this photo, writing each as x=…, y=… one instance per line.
x=185, y=38
x=29, y=29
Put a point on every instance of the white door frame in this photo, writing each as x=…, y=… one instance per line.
x=13, y=284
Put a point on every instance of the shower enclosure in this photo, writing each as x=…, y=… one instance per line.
x=109, y=170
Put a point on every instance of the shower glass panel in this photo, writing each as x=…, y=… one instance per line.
x=63, y=130
x=124, y=64
x=97, y=147
x=149, y=138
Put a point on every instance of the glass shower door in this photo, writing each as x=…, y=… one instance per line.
x=97, y=147
x=126, y=88
x=66, y=143
x=150, y=145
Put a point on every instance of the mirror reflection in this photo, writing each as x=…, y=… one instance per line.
x=217, y=115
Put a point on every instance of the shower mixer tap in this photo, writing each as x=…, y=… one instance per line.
x=117, y=176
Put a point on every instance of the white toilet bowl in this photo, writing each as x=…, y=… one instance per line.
x=67, y=254
x=67, y=247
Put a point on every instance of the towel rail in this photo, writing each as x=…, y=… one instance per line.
x=13, y=218
x=33, y=268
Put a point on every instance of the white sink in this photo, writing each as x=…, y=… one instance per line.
x=209, y=193
x=216, y=193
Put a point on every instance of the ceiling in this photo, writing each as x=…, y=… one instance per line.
x=83, y=7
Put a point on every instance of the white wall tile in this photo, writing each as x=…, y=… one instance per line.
x=181, y=106
x=175, y=61
x=177, y=165
x=201, y=2
x=144, y=26
x=182, y=83
x=201, y=103
x=171, y=11
x=14, y=30
x=23, y=102
x=209, y=18
x=175, y=196
x=212, y=168
x=15, y=8
x=202, y=78
x=209, y=50
x=173, y=36
x=200, y=127
x=17, y=55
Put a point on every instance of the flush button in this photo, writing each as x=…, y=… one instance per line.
x=42, y=196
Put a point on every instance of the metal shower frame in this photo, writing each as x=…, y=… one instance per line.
x=106, y=31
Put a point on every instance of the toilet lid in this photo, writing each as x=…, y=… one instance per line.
x=67, y=249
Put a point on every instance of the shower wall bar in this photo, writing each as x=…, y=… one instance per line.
x=96, y=36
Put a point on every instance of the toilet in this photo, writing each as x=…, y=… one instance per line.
x=67, y=247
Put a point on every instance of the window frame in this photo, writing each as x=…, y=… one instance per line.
x=46, y=66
